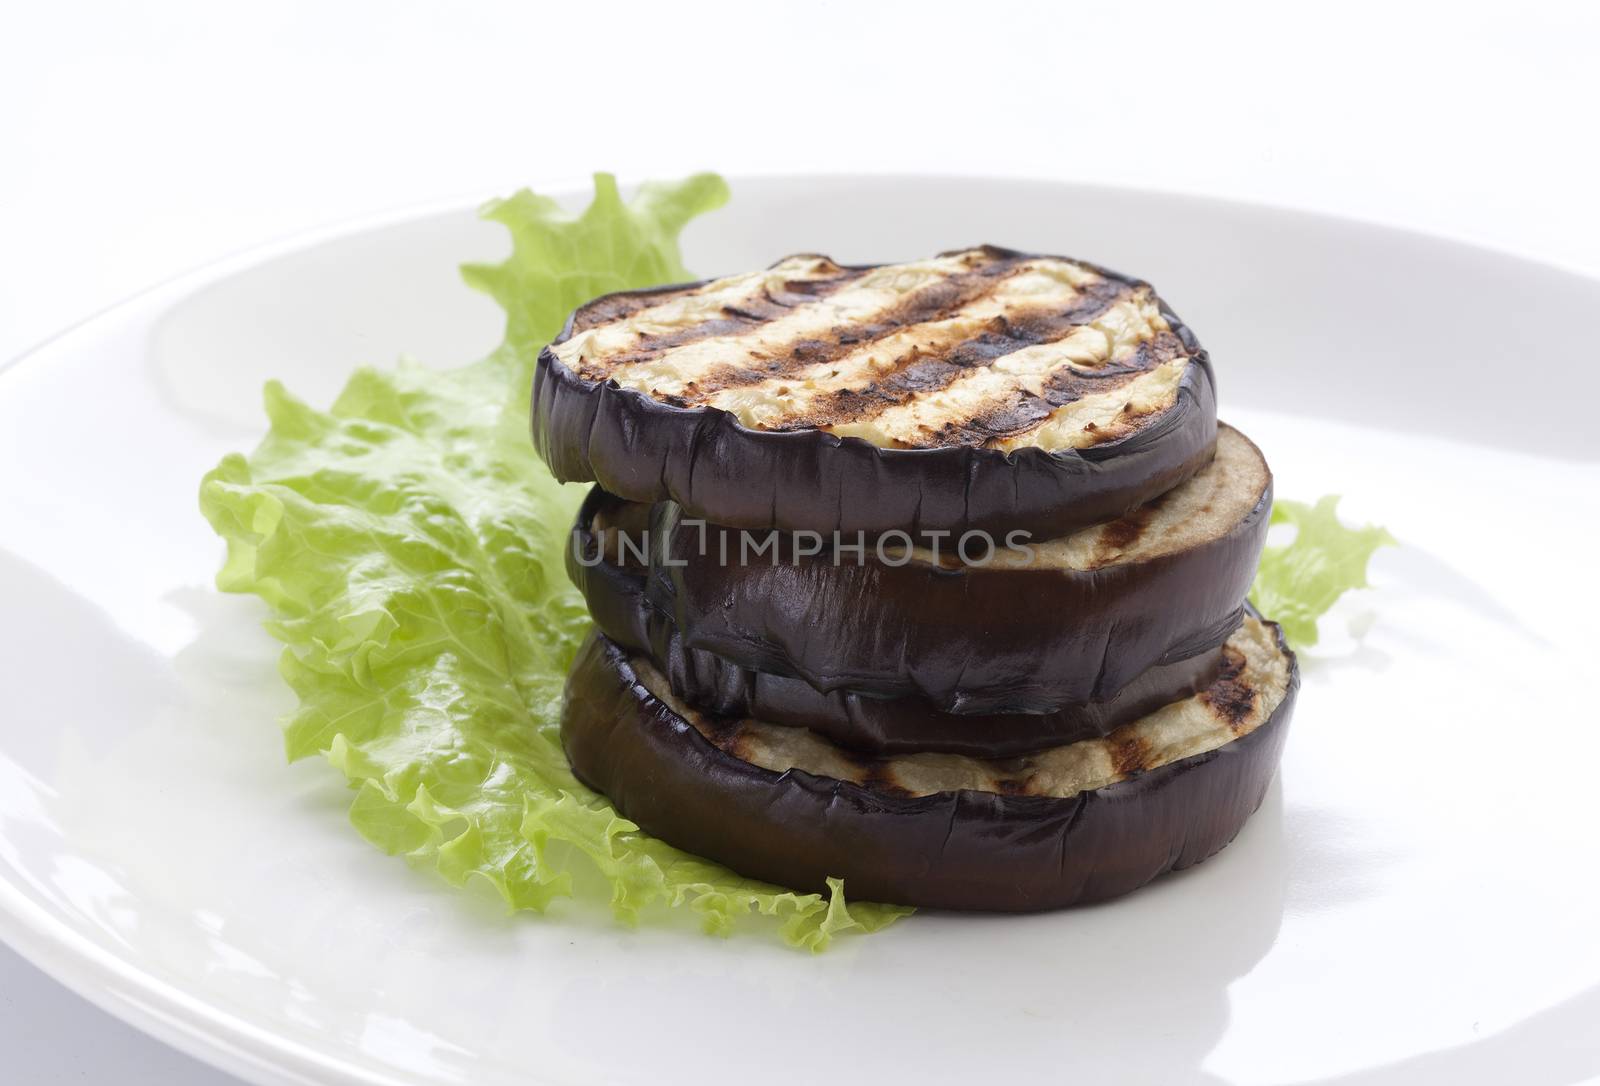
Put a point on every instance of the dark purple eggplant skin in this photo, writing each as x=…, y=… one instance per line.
x=719, y=470
x=872, y=725
x=965, y=641
x=952, y=850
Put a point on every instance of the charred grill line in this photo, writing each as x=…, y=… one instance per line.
x=1229, y=697
x=878, y=774
x=915, y=374
x=1068, y=383
x=953, y=291
x=746, y=316
x=1130, y=752
x=931, y=303
x=1118, y=535
x=724, y=733
x=611, y=308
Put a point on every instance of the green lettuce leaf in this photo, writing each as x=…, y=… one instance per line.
x=1300, y=580
x=409, y=545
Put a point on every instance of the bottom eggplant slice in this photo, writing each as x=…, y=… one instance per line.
x=1074, y=824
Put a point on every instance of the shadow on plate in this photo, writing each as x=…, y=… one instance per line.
x=1559, y=1046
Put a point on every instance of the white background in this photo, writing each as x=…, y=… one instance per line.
x=137, y=141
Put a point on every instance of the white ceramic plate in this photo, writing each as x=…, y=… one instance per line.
x=1415, y=902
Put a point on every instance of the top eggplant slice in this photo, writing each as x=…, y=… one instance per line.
x=983, y=389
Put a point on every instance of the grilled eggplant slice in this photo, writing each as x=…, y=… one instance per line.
x=1076, y=622
x=613, y=586
x=984, y=389
x=1071, y=825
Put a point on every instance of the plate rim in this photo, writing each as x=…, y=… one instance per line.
x=257, y=253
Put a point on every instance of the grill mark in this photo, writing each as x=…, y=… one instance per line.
x=1009, y=409
x=747, y=315
x=1067, y=385
x=915, y=374
x=1159, y=348
x=878, y=775
x=1118, y=535
x=1129, y=751
x=724, y=733
x=731, y=735
x=1027, y=411
x=930, y=303
x=619, y=307
x=1230, y=697
x=1023, y=412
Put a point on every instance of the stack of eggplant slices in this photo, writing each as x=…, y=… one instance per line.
x=926, y=576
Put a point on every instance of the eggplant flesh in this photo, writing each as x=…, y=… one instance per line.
x=615, y=595
x=973, y=468
x=1076, y=824
x=1091, y=613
